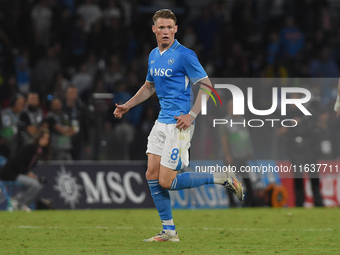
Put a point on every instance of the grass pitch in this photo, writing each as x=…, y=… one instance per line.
x=231, y=231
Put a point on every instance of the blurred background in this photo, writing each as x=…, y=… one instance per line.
x=102, y=46
x=65, y=63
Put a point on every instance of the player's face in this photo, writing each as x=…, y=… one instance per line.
x=165, y=30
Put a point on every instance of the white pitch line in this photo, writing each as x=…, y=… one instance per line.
x=29, y=227
x=35, y=227
x=183, y=228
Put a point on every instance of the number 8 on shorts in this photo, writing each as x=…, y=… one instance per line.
x=174, y=154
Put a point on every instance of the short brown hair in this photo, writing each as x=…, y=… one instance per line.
x=165, y=14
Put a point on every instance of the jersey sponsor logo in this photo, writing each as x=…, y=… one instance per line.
x=161, y=72
x=171, y=61
x=152, y=61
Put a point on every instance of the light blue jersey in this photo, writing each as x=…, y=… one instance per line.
x=172, y=72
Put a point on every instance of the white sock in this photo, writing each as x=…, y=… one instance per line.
x=220, y=178
x=169, y=224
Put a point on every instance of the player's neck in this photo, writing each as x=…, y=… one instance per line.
x=163, y=47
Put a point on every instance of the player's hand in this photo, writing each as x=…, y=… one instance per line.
x=184, y=121
x=120, y=110
x=337, y=113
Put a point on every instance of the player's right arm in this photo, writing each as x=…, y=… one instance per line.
x=146, y=91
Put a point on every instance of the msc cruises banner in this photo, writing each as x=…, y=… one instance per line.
x=109, y=185
x=83, y=185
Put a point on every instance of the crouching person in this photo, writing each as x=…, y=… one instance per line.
x=19, y=168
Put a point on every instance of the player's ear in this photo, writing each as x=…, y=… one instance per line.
x=153, y=28
x=176, y=27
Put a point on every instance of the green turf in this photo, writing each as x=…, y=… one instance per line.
x=233, y=231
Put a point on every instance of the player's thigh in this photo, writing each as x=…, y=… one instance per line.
x=156, y=139
x=152, y=172
x=166, y=176
x=154, y=150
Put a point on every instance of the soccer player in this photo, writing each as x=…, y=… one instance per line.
x=171, y=68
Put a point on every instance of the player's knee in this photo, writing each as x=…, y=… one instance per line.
x=165, y=183
x=151, y=175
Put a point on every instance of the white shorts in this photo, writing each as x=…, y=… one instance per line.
x=171, y=143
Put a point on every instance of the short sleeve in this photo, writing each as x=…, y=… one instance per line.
x=149, y=77
x=193, y=68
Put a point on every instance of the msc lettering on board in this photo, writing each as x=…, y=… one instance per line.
x=112, y=188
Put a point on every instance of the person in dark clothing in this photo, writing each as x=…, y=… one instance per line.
x=18, y=168
x=303, y=149
x=79, y=119
x=31, y=119
x=61, y=131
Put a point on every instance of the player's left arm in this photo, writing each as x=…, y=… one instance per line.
x=184, y=121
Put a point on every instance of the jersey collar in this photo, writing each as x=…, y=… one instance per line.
x=174, y=45
x=172, y=48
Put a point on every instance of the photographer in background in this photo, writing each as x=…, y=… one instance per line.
x=61, y=131
x=303, y=144
x=19, y=168
x=80, y=121
x=31, y=119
